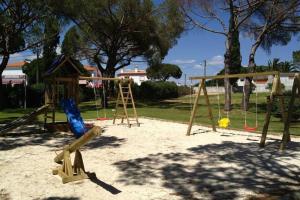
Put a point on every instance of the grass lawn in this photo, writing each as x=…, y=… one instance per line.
x=178, y=110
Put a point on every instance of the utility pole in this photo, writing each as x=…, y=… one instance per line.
x=204, y=67
x=184, y=79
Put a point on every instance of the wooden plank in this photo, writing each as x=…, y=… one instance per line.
x=208, y=106
x=64, y=79
x=286, y=131
x=102, y=78
x=124, y=105
x=270, y=100
x=96, y=130
x=194, y=109
x=235, y=75
x=133, y=106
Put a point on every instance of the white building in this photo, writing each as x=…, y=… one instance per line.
x=93, y=72
x=137, y=75
x=13, y=74
x=261, y=82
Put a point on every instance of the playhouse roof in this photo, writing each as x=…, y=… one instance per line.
x=65, y=63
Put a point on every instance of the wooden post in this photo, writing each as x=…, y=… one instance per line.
x=195, y=106
x=286, y=131
x=276, y=90
x=208, y=106
x=125, y=98
x=124, y=105
x=267, y=121
x=133, y=104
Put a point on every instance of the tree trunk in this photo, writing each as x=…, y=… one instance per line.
x=227, y=85
x=2, y=67
x=247, y=90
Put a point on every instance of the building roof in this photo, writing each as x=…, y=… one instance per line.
x=18, y=64
x=135, y=72
x=90, y=68
x=68, y=65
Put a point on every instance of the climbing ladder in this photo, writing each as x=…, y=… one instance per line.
x=125, y=99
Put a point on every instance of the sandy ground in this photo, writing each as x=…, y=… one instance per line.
x=153, y=161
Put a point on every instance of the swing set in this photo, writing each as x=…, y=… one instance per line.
x=224, y=122
x=124, y=100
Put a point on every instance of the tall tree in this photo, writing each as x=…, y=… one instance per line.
x=222, y=17
x=111, y=34
x=273, y=23
x=52, y=27
x=17, y=20
x=163, y=72
x=296, y=59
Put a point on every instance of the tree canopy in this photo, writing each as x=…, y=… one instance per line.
x=111, y=34
x=19, y=19
x=163, y=72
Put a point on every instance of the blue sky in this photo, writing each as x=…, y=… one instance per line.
x=196, y=45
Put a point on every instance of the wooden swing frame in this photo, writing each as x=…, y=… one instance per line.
x=125, y=98
x=275, y=93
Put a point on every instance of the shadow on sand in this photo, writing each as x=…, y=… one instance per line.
x=217, y=171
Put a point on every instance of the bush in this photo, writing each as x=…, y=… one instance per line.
x=270, y=85
x=184, y=90
x=158, y=90
x=35, y=95
x=296, y=109
x=14, y=96
x=87, y=93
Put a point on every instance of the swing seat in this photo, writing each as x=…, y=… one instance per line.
x=102, y=118
x=249, y=129
x=224, y=122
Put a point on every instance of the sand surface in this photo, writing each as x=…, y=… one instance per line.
x=153, y=161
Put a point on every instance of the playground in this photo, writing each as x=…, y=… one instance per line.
x=153, y=161
x=123, y=157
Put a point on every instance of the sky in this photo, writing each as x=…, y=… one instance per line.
x=195, y=46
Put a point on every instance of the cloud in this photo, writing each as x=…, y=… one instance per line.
x=186, y=61
x=58, y=50
x=16, y=55
x=198, y=66
x=215, y=61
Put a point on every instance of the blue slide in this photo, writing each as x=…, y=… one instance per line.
x=74, y=118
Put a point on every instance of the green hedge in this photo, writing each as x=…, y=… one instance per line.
x=157, y=90
x=296, y=109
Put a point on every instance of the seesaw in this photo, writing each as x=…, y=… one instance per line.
x=75, y=172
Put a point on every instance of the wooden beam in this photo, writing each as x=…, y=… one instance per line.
x=102, y=78
x=287, y=121
x=270, y=100
x=235, y=75
x=195, y=108
x=96, y=130
x=64, y=79
x=209, y=107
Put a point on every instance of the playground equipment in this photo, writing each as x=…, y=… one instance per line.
x=67, y=171
x=124, y=99
x=75, y=172
x=99, y=100
x=223, y=122
x=246, y=126
x=275, y=93
x=24, y=119
x=62, y=82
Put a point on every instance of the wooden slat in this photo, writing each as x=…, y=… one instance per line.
x=195, y=106
x=287, y=121
x=235, y=75
x=101, y=78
